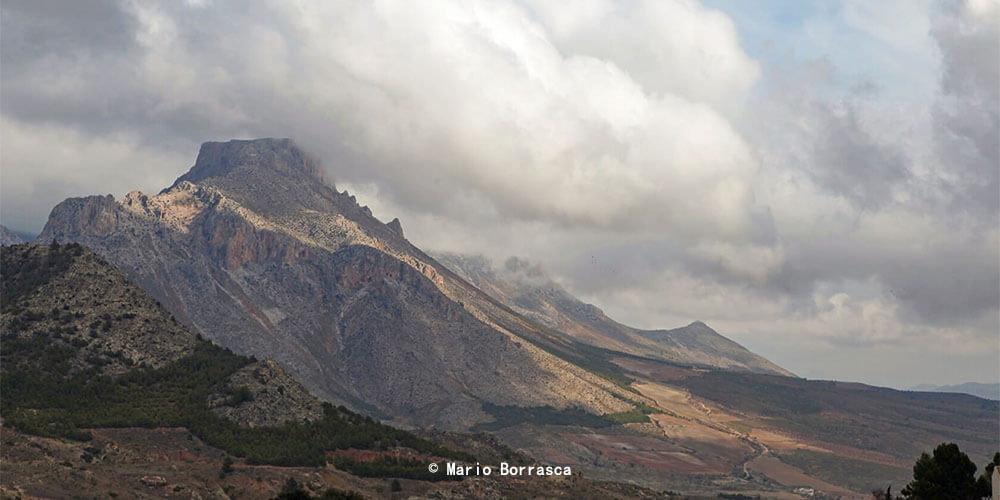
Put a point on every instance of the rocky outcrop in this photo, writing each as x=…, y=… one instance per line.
x=396, y=226
x=254, y=251
x=528, y=290
x=261, y=393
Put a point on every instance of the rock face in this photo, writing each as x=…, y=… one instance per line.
x=253, y=249
x=528, y=290
x=70, y=296
x=273, y=397
x=8, y=237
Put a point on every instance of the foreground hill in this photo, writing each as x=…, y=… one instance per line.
x=255, y=251
x=529, y=291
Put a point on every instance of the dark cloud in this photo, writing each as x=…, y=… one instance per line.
x=664, y=180
x=63, y=30
x=848, y=161
x=967, y=116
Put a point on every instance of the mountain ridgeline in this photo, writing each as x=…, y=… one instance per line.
x=529, y=291
x=255, y=251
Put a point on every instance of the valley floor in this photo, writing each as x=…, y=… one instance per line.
x=803, y=446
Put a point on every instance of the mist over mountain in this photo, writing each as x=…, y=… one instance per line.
x=527, y=289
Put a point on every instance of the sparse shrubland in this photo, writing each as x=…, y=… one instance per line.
x=53, y=388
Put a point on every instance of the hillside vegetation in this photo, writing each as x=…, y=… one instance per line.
x=55, y=383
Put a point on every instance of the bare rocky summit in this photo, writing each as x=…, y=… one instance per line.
x=526, y=288
x=255, y=251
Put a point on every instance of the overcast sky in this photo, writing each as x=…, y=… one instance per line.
x=817, y=180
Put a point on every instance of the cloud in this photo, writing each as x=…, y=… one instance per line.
x=848, y=162
x=836, y=189
x=967, y=115
x=702, y=41
x=74, y=164
x=466, y=97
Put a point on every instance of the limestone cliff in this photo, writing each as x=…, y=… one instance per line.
x=254, y=250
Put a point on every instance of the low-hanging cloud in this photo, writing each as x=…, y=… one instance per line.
x=458, y=97
x=635, y=148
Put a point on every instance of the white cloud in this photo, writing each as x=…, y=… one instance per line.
x=674, y=47
x=472, y=97
x=69, y=160
x=632, y=147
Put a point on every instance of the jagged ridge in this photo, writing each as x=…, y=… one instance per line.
x=527, y=289
x=271, y=260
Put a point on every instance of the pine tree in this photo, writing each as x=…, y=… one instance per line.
x=947, y=475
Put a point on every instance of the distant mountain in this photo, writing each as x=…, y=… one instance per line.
x=985, y=391
x=8, y=237
x=528, y=290
x=256, y=251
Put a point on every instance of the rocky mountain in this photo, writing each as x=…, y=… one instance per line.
x=66, y=299
x=529, y=291
x=254, y=250
x=105, y=395
x=8, y=237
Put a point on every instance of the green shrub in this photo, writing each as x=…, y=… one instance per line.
x=43, y=398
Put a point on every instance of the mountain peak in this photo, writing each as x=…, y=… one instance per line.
x=220, y=159
x=268, y=176
x=396, y=226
